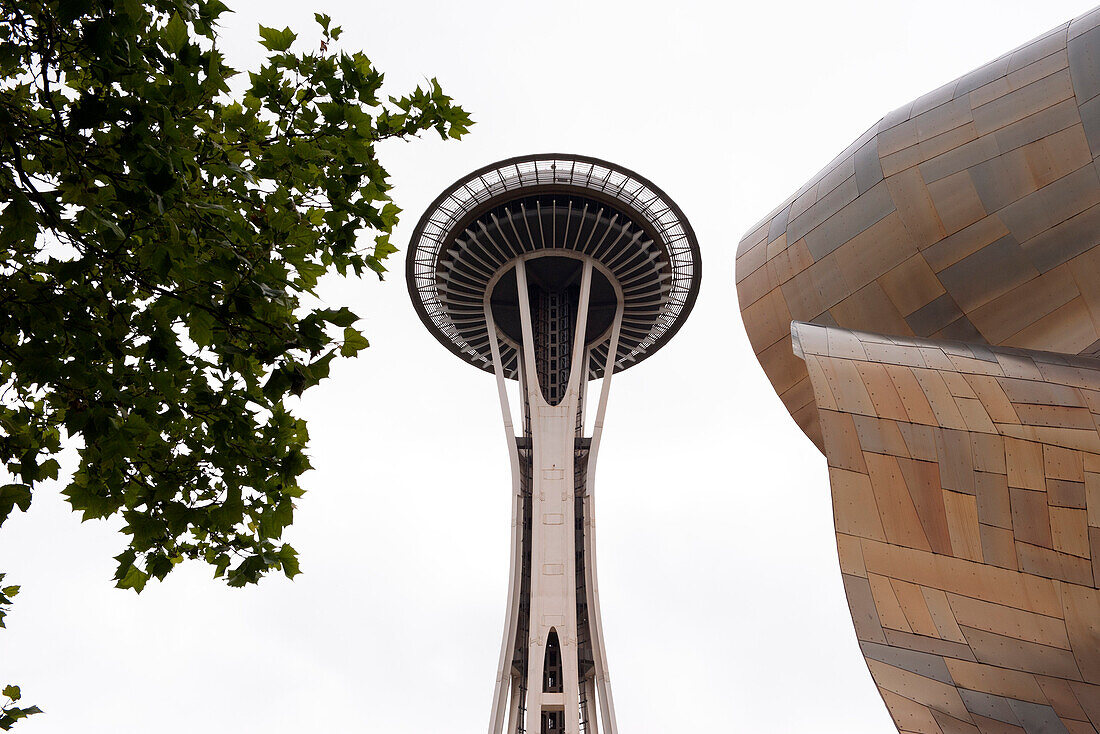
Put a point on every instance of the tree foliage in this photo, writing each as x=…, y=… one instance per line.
x=10, y=710
x=164, y=227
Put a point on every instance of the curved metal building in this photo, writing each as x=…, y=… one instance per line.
x=944, y=275
x=553, y=270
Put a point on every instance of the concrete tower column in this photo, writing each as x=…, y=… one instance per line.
x=552, y=544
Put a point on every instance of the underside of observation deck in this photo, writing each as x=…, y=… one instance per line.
x=569, y=207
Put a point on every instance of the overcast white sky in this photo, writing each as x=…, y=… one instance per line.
x=722, y=602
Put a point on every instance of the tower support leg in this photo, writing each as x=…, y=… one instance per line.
x=513, y=706
x=589, y=688
x=501, y=691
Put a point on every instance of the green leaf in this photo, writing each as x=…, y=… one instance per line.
x=175, y=33
x=201, y=327
x=275, y=40
x=73, y=9
x=220, y=565
x=339, y=317
x=214, y=8
x=289, y=559
x=389, y=217
x=19, y=221
x=12, y=692
x=382, y=247
x=354, y=342
x=48, y=469
x=134, y=579
x=12, y=496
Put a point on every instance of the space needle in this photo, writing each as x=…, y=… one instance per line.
x=553, y=270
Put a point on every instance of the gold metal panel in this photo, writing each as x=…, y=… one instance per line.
x=974, y=554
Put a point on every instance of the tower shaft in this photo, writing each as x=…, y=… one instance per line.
x=552, y=668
